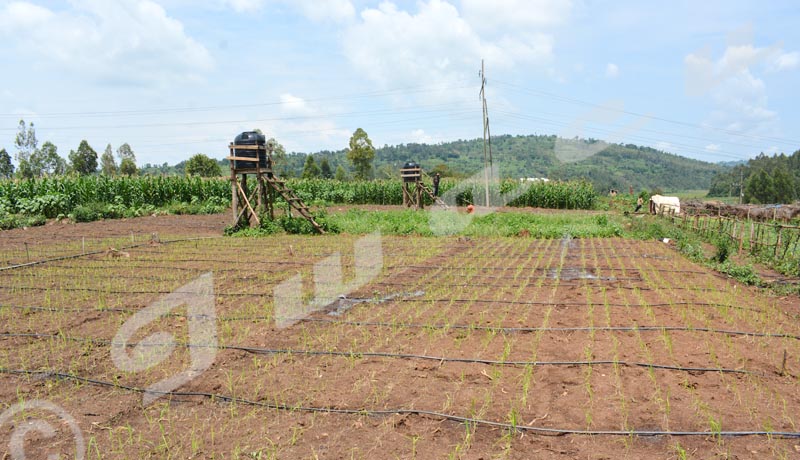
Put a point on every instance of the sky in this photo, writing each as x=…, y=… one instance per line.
x=713, y=80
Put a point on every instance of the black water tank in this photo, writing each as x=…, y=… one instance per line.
x=250, y=138
x=411, y=176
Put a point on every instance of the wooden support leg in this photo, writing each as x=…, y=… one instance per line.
x=234, y=199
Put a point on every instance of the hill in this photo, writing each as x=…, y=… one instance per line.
x=607, y=166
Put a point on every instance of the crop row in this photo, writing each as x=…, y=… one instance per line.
x=52, y=196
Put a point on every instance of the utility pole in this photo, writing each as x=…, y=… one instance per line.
x=487, y=136
x=741, y=184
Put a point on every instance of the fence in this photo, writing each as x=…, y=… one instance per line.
x=771, y=239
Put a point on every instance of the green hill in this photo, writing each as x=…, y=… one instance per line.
x=607, y=166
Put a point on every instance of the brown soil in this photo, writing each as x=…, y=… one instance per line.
x=444, y=300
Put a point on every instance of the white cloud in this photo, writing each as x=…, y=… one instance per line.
x=612, y=70
x=419, y=136
x=741, y=105
x=315, y=10
x=664, y=146
x=712, y=148
x=326, y=10
x=739, y=96
x=434, y=45
x=294, y=104
x=515, y=14
x=245, y=6
x=787, y=61
x=129, y=41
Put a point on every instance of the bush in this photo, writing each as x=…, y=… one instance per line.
x=84, y=214
x=723, y=249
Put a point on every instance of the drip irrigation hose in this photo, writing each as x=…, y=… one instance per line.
x=450, y=300
x=82, y=254
x=378, y=354
x=500, y=329
x=386, y=412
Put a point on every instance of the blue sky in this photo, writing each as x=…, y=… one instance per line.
x=714, y=80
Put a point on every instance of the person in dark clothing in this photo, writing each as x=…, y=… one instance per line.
x=436, y=178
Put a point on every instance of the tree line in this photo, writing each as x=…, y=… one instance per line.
x=764, y=180
x=38, y=161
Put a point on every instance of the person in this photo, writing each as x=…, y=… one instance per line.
x=436, y=178
x=639, y=204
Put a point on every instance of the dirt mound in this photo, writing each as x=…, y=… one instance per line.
x=782, y=212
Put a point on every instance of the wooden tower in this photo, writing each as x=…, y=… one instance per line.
x=411, y=174
x=254, y=158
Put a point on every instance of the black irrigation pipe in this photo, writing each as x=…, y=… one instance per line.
x=469, y=421
x=378, y=283
x=437, y=267
x=501, y=329
x=513, y=302
x=380, y=354
x=75, y=256
x=610, y=279
x=112, y=291
x=511, y=330
x=387, y=266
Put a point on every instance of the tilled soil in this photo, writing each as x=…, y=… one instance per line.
x=455, y=348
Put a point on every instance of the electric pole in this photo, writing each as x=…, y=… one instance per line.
x=487, y=136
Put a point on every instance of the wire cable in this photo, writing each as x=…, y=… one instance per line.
x=379, y=354
x=469, y=421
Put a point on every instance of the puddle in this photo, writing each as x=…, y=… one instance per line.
x=572, y=273
x=340, y=306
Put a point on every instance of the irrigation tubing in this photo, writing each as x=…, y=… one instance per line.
x=401, y=325
x=469, y=421
x=378, y=354
x=509, y=330
x=443, y=300
x=90, y=253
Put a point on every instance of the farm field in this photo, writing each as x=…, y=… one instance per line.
x=455, y=347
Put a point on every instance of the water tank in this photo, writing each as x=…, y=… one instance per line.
x=260, y=155
x=411, y=172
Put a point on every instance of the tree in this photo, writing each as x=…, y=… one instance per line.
x=278, y=156
x=108, y=165
x=203, y=166
x=84, y=161
x=127, y=167
x=783, y=184
x=760, y=188
x=125, y=151
x=45, y=161
x=361, y=153
x=310, y=169
x=26, y=144
x=325, y=169
x=341, y=174
x=6, y=167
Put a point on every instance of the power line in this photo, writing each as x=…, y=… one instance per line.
x=380, y=93
x=792, y=142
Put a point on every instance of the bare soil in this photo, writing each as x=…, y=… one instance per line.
x=595, y=334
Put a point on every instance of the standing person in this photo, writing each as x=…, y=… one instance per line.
x=436, y=178
x=639, y=204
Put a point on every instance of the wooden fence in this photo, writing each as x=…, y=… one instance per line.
x=771, y=239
